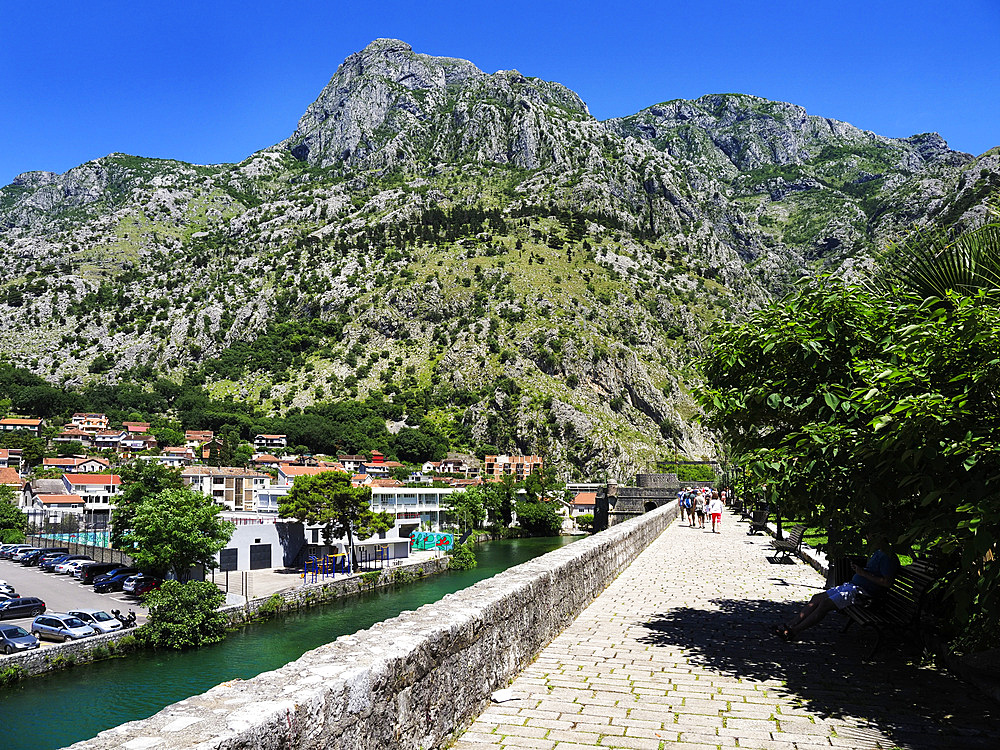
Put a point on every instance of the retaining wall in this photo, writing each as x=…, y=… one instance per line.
x=312, y=594
x=62, y=655
x=409, y=682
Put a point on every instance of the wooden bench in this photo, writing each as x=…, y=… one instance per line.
x=758, y=521
x=790, y=544
x=898, y=610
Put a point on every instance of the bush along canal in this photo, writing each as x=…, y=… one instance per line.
x=72, y=705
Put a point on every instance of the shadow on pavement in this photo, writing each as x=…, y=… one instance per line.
x=889, y=697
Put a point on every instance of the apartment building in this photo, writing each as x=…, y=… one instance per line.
x=232, y=487
x=495, y=467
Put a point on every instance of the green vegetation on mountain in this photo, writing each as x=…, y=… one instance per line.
x=471, y=254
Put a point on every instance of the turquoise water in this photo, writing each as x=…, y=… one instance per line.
x=57, y=710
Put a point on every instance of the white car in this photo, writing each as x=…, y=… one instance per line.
x=68, y=567
x=98, y=619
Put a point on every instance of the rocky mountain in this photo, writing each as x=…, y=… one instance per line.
x=475, y=246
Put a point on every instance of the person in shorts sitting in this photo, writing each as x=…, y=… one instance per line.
x=872, y=581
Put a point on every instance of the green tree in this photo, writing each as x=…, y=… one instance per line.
x=13, y=522
x=328, y=499
x=539, y=518
x=167, y=436
x=463, y=557
x=467, y=507
x=141, y=480
x=864, y=411
x=498, y=497
x=184, y=615
x=32, y=448
x=585, y=521
x=174, y=530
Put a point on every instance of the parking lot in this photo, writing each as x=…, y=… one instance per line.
x=61, y=593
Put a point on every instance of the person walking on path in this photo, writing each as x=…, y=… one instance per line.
x=715, y=511
x=699, y=509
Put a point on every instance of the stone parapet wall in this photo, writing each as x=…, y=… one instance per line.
x=408, y=682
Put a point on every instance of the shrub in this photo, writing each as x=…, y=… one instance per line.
x=402, y=576
x=370, y=578
x=271, y=607
x=185, y=615
x=585, y=521
x=462, y=558
x=10, y=675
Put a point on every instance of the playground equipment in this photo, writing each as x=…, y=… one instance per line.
x=324, y=567
x=432, y=540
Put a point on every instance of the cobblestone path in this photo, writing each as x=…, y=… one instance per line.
x=676, y=653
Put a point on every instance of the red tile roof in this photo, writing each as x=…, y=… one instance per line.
x=10, y=476
x=87, y=479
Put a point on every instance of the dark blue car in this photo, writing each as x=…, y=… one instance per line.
x=113, y=580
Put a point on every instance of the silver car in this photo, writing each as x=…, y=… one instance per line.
x=97, y=619
x=60, y=627
x=14, y=638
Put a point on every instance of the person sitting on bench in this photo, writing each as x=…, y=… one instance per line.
x=872, y=581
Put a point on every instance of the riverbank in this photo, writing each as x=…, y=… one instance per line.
x=55, y=710
x=62, y=656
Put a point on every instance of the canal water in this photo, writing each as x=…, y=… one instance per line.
x=57, y=710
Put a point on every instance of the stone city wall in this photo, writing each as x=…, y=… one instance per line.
x=409, y=682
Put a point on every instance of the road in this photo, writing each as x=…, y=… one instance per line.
x=61, y=593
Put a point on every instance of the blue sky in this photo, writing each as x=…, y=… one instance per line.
x=210, y=82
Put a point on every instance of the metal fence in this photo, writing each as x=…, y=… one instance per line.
x=95, y=552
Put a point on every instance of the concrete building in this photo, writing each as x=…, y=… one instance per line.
x=495, y=467
x=231, y=487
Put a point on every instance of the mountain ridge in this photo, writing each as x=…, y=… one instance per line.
x=467, y=231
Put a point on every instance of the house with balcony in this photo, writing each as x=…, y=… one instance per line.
x=196, y=438
x=89, y=422
x=77, y=464
x=231, y=487
x=10, y=458
x=135, y=442
x=98, y=492
x=19, y=424
x=267, y=443
x=75, y=435
x=109, y=439
x=352, y=463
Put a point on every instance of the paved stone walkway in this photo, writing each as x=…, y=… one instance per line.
x=676, y=653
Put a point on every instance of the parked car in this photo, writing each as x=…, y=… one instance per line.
x=6, y=587
x=98, y=619
x=87, y=572
x=25, y=606
x=8, y=594
x=60, y=627
x=52, y=559
x=140, y=584
x=33, y=557
x=7, y=550
x=113, y=580
x=21, y=552
x=14, y=638
x=68, y=567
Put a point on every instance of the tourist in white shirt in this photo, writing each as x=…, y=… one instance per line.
x=715, y=511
